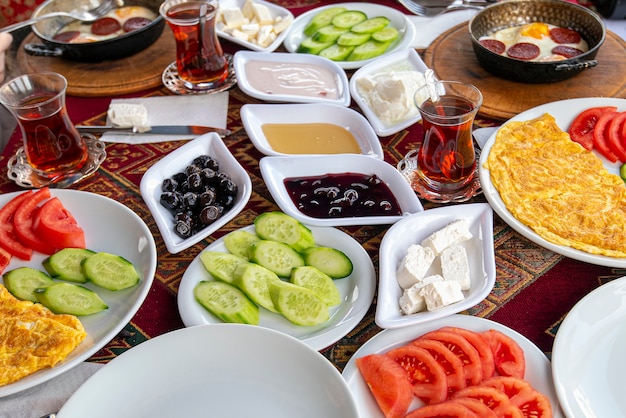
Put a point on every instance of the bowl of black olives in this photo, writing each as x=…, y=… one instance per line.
x=194, y=191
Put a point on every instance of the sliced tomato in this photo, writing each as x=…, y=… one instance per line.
x=426, y=376
x=581, y=129
x=8, y=240
x=600, y=136
x=57, y=226
x=533, y=404
x=443, y=410
x=5, y=259
x=507, y=354
x=614, y=136
x=23, y=222
x=497, y=401
x=388, y=382
x=464, y=351
x=476, y=406
x=509, y=385
x=481, y=345
x=452, y=365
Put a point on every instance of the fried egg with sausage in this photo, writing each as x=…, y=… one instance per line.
x=557, y=188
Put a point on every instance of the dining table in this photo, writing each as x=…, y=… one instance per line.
x=534, y=289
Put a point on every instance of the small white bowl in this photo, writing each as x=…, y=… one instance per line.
x=407, y=60
x=276, y=169
x=254, y=116
x=245, y=83
x=175, y=162
x=274, y=9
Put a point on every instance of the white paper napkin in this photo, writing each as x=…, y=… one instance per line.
x=201, y=109
x=427, y=29
x=48, y=397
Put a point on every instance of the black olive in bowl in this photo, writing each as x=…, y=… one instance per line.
x=519, y=12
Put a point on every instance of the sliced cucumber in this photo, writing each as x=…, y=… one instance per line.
x=330, y=261
x=328, y=33
x=276, y=256
x=278, y=226
x=66, y=264
x=226, y=302
x=238, y=242
x=336, y=52
x=254, y=280
x=23, y=281
x=322, y=19
x=298, y=305
x=389, y=34
x=369, y=49
x=70, y=298
x=110, y=271
x=371, y=25
x=352, y=39
x=348, y=19
x=220, y=265
x=309, y=46
x=321, y=284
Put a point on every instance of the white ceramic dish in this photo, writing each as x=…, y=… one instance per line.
x=402, y=60
x=222, y=370
x=357, y=292
x=564, y=112
x=112, y=227
x=175, y=162
x=538, y=372
x=415, y=228
x=593, y=338
x=241, y=58
x=276, y=169
x=275, y=10
x=398, y=20
x=254, y=116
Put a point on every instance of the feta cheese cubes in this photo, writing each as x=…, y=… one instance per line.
x=414, y=265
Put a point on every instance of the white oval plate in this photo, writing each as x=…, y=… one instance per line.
x=564, y=112
x=274, y=9
x=175, y=162
x=357, y=293
x=221, y=370
x=398, y=20
x=406, y=60
x=112, y=227
x=538, y=372
x=593, y=338
x=413, y=230
x=243, y=78
x=276, y=169
x=254, y=116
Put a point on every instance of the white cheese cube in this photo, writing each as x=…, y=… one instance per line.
x=455, y=232
x=263, y=14
x=282, y=24
x=414, y=265
x=251, y=29
x=236, y=33
x=266, y=36
x=128, y=115
x=440, y=294
x=233, y=18
x=411, y=301
x=248, y=9
x=455, y=265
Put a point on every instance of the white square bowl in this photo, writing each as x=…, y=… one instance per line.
x=175, y=162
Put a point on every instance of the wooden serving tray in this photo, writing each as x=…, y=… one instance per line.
x=451, y=57
x=138, y=72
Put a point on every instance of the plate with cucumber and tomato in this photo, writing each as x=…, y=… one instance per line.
x=351, y=34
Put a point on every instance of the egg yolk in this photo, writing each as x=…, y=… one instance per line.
x=535, y=30
x=124, y=12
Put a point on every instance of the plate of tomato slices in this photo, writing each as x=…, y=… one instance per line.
x=519, y=377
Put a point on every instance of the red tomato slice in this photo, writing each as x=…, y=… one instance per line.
x=464, y=350
x=508, y=355
x=23, y=222
x=426, y=376
x=481, y=345
x=443, y=410
x=8, y=240
x=533, y=404
x=56, y=225
x=615, y=138
x=452, y=365
x=476, y=406
x=600, y=137
x=509, y=385
x=497, y=401
x=387, y=381
x=581, y=129
x=5, y=259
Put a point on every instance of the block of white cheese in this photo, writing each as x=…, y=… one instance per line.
x=128, y=115
x=455, y=265
x=411, y=301
x=233, y=18
x=441, y=293
x=414, y=265
x=455, y=232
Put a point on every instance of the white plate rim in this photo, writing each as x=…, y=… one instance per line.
x=343, y=317
x=89, y=346
x=292, y=40
x=564, y=112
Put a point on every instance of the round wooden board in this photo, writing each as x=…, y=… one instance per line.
x=138, y=72
x=451, y=57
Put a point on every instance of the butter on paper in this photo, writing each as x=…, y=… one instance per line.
x=128, y=115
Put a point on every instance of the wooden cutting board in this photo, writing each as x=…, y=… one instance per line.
x=138, y=72
x=451, y=57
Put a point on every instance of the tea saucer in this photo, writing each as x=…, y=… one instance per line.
x=23, y=175
x=172, y=81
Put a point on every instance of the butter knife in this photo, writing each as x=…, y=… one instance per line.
x=163, y=129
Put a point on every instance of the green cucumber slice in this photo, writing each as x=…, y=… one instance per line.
x=389, y=34
x=276, y=256
x=348, y=19
x=298, y=305
x=278, y=226
x=353, y=39
x=371, y=25
x=110, y=271
x=330, y=261
x=336, y=52
x=328, y=33
x=322, y=19
x=23, y=281
x=70, y=298
x=369, y=49
x=220, y=265
x=238, y=242
x=66, y=264
x=321, y=284
x=254, y=281
x=309, y=46
x=226, y=302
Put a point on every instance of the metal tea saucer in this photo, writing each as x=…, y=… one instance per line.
x=175, y=85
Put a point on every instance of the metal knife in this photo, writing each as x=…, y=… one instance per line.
x=163, y=129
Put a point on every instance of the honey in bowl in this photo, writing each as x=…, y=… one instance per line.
x=310, y=138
